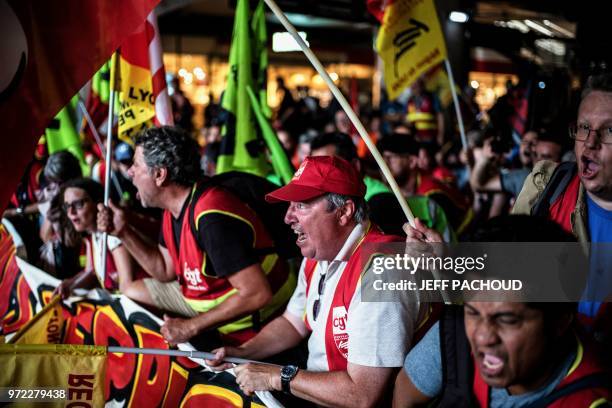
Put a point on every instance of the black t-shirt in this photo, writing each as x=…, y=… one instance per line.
x=226, y=241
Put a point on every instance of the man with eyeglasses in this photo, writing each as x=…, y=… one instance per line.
x=578, y=196
x=354, y=347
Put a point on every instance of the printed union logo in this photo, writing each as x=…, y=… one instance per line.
x=192, y=276
x=299, y=171
x=339, y=320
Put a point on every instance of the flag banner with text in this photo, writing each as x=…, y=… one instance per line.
x=100, y=319
x=59, y=375
x=410, y=42
x=55, y=47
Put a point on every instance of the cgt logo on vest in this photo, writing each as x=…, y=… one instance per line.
x=339, y=322
x=192, y=276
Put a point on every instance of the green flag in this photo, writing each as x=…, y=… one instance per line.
x=100, y=83
x=241, y=149
x=278, y=157
x=260, y=39
x=62, y=134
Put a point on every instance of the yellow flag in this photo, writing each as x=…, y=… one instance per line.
x=65, y=375
x=410, y=42
x=45, y=327
x=136, y=100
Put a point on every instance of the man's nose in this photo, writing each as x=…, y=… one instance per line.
x=593, y=139
x=485, y=334
x=290, y=214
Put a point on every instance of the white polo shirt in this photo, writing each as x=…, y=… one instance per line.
x=379, y=333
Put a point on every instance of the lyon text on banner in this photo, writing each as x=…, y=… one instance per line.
x=410, y=42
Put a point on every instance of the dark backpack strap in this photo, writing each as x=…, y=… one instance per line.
x=457, y=366
x=561, y=177
x=201, y=187
x=596, y=380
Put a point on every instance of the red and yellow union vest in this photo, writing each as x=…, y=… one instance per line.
x=423, y=118
x=204, y=292
x=585, y=364
x=562, y=208
x=336, y=335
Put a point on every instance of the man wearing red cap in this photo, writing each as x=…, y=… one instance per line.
x=354, y=346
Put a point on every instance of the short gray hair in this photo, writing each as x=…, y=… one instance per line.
x=335, y=201
x=174, y=149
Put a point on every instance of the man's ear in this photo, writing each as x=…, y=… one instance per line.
x=346, y=212
x=160, y=174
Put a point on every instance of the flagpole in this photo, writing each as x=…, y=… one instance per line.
x=91, y=125
x=456, y=103
x=347, y=108
x=180, y=353
x=96, y=135
x=109, y=147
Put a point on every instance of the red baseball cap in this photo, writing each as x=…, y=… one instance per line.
x=319, y=175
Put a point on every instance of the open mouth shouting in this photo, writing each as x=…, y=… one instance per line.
x=589, y=167
x=301, y=236
x=490, y=364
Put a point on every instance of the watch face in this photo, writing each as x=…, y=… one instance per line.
x=288, y=371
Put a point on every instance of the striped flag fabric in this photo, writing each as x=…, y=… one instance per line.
x=143, y=93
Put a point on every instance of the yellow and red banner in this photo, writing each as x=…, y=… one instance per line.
x=101, y=319
x=73, y=374
x=410, y=42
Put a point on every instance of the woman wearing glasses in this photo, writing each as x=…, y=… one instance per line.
x=79, y=198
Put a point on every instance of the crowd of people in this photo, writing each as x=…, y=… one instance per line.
x=247, y=268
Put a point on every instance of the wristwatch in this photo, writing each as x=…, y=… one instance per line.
x=287, y=374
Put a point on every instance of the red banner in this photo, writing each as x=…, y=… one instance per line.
x=55, y=47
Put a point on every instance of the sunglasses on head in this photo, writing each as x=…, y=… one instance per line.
x=317, y=303
x=75, y=205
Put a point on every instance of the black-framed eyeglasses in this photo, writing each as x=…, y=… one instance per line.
x=317, y=303
x=583, y=131
x=75, y=205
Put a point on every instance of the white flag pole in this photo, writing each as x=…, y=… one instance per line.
x=456, y=103
x=109, y=152
x=346, y=106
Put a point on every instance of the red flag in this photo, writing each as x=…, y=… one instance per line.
x=163, y=107
x=377, y=8
x=143, y=92
x=54, y=48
